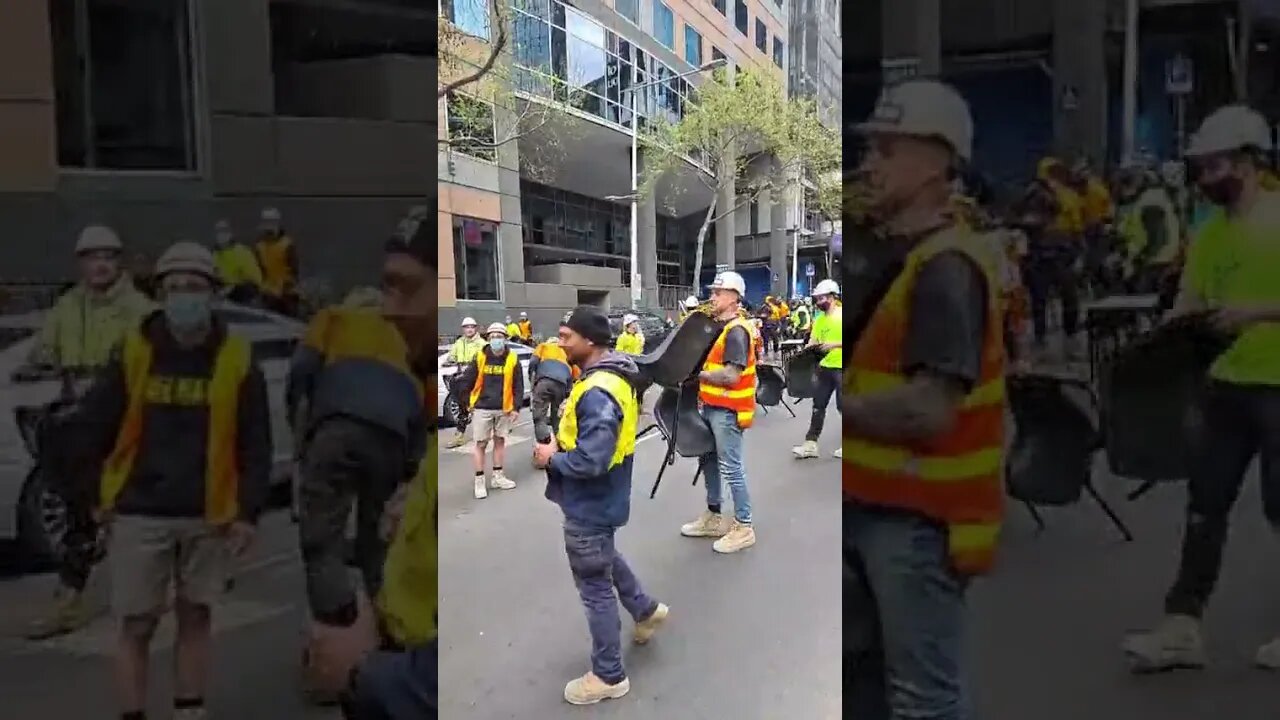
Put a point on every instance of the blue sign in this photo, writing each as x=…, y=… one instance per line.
x=810, y=270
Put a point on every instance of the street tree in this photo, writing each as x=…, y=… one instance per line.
x=746, y=133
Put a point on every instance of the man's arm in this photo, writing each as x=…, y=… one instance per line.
x=599, y=422
x=102, y=411
x=943, y=356
x=253, y=446
x=737, y=346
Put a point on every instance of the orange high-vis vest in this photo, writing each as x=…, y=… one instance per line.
x=221, y=394
x=550, y=350
x=741, y=397
x=277, y=276
x=954, y=478
x=526, y=329
x=508, y=373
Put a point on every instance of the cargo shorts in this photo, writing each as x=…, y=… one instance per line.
x=149, y=557
x=490, y=424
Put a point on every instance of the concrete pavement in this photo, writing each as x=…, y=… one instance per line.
x=754, y=635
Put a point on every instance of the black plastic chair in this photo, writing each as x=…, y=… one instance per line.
x=687, y=433
x=771, y=381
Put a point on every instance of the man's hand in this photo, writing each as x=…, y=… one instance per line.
x=335, y=651
x=542, y=453
x=514, y=416
x=240, y=537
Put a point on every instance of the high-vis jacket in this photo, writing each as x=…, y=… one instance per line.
x=237, y=266
x=221, y=395
x=631, y=343
x=464, y=349
x=954, y=478
x=741, y=397
x=407, y=601
x=83, y=329
x=278, y=259
x=550, y=362
x=487, y=372
x=526, y=329
x=1134, y=231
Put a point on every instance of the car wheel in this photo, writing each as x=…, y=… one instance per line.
x=42, y=520
x=451, y=411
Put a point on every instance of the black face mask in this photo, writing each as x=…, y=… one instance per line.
x=1224, y=192
x=824, y=305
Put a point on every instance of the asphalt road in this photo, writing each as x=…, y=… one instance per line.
x=754, y=636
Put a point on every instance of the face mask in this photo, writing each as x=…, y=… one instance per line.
x=823, y=305
x=188, y=311
x=1223, y=192
x=497, y=344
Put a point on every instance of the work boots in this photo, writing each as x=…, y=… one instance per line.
x=1175, y=644
x=457, y=441
x=70, y=612
x=740, y=537
x=590, y=689
x=809, y=449
x=646, y=628
x=708, y=524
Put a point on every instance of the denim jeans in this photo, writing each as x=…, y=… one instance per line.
x=396, y=686
x=725, y=464
x=603, y=579
x=907, y=625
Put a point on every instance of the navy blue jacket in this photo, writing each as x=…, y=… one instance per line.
x=591, y=495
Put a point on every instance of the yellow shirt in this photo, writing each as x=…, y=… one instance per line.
x=631, y=343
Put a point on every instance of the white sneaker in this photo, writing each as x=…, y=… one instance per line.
x=1175, y=644
x=481, y=490
x=500, y=481
x=808, y=450
x=839, y=453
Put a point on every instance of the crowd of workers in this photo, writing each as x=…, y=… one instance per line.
x=924, y=411
x=169, y=459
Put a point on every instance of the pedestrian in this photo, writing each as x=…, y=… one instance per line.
x=278, y=258
x=494, y=402
x=463, y=354
x=238, y=269
x=552, y=376
x=384, y=661
x=1056, y=251
x=828, y=341
x=630, y=340
x=589, y=469
x=1230, y=272
x=512, y=329
x=85, y=326
x=182, y=422
x=923, y=422
x=727, y=393
x=525, y=329
x=1149, y=232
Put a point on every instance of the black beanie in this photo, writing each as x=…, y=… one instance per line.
x=590, y=323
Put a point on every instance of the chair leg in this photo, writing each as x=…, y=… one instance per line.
x=667, y=461
x=697, y=473
x=646, y=431
x=1106, y=508
x=788, y=407
x=1035, y=515
x=1142, y=489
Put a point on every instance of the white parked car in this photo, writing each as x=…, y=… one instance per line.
x=31, y=512
x=445, y=370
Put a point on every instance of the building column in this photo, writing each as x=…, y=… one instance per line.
x=726, y=228
x=778, y=237
x=913, y=29
x=647, y=240
x=1080, y=79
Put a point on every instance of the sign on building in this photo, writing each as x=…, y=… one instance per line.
x=810, y=270
x=1179, y=75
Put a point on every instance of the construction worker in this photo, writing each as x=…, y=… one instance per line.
x=552, y=375
x=689, y=305
x=525, y=328
x=631, y=340
x=589, y=469
x=512, y=329
x=495, y=403
x=181, y=424
x=238, y=269
x=362, y=436
x=1230, y=272
x=278, y=257
x=81, y=331
x=382, y=658
x=801, y=318
x=463, y=354
x=923, y=420
x=1149, y=229
x=1055, y=251
x=727, y=393
x=827, y=339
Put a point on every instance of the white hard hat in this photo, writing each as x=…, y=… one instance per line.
x=524, y=314
x=498, y=328
x=924, y=108
x=1233, y=127
x=691, y=302
x=188, y=257
x=628, y=319
x=98, y=237
x=468, y=321
x=826, y=287
x=730, y=280
x=270, y=214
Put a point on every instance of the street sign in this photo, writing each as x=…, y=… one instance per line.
x=1179, y=75
x=810, y=270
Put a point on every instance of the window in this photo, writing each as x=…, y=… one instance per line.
x=762, y=36
x=587, y=64
x=777, y=52
x=720, y=6
x=475, y=258
x=471, y=127
x=753, y=215
x=470, y=16
x=716, y=54
x=106, y=117
x=692, y=46
x=629, y=9
x=664, y=25
x=740, y=19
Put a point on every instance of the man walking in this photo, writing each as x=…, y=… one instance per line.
x=727, y=392
x=278, y=257
x=589, y=476
x=495, y=401
x=827, y=339
x=923, y=423
x=463, y=354
x=182, y=420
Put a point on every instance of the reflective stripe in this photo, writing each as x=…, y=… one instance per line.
x=865, y=382
x=741, y=398
x=940, y=469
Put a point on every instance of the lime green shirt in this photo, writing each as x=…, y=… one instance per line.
x=1233, y=261
x=829, y=328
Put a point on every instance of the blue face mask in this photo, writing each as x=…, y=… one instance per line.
x=497, y=344
x=188, y=311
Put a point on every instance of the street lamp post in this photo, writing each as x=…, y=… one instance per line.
x=635, y=153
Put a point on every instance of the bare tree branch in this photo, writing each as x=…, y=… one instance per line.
x=496, y=47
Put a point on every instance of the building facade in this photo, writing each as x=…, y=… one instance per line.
x=161, y=117
x=543, y=223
